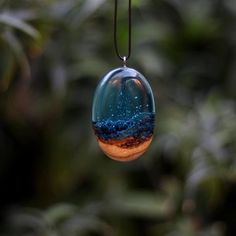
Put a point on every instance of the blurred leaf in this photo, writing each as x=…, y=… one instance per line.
x=142, y=204
x=6, y=67
x=57, y=214
x=18, y=51
x=10, y=20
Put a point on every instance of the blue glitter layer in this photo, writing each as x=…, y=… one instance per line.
x=140, y=126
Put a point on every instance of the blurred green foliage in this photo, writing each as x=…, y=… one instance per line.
x=54, y=180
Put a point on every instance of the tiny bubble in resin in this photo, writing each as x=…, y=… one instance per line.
x=123, y=114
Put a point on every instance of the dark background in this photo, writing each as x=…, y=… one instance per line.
x=54, y=180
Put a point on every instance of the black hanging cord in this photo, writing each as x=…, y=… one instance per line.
x=126, y=57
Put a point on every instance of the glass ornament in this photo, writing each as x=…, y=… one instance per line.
x=123, y=114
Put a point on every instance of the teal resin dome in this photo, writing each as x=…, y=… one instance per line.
x=123, y=114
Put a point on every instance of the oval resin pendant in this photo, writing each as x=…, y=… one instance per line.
x=123, y=114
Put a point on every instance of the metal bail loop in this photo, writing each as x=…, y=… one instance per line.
x=124, y=61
